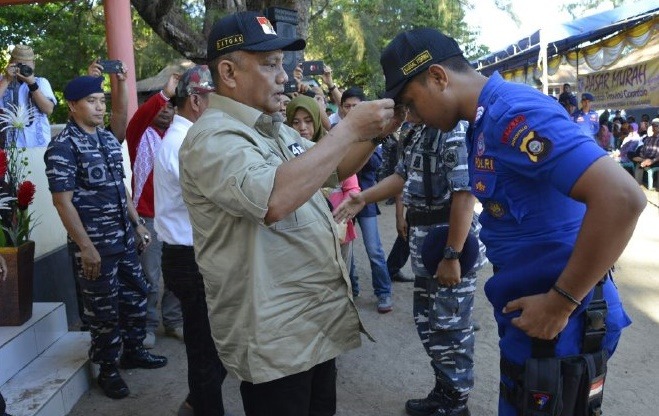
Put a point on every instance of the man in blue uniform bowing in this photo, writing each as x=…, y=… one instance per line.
x=552, y=231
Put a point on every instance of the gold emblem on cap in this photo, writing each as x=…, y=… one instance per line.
x=418, y=60
x=229, y=41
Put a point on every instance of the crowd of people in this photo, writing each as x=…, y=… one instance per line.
x=245, y=200
x=635, y=145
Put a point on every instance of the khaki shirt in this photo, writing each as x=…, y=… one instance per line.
x=278, y=295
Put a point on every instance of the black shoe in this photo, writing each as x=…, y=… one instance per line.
x=462, y=411
x=400, y=277
x=112, y=384
x=424, y=407
x=141, y=358
x=453, y=404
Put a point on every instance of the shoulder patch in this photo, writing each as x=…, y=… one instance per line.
x=511, y=127
x=536, y=147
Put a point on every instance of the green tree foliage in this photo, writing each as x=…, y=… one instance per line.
x=347, y=34
x=67, y=37
x=350, y=34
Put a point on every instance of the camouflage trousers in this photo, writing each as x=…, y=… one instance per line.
x=114, y=305
x=443, y=321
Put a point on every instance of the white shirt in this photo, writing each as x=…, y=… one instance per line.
x=334, y=118
x=37, y=133
x=172, y=222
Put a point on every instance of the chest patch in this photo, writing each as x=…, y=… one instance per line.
x=296, y=149
x=484, y=163
x=480, y=145
x=495, y=209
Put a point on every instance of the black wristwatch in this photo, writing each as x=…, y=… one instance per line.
x=451, y=254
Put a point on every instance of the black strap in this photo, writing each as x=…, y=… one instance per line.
x=595, y=316
x=426, y=146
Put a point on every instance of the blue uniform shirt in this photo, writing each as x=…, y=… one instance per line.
x=588, y=122
x=92, y=167
x=525, y=155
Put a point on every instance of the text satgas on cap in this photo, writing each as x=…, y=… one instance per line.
x=229, y=41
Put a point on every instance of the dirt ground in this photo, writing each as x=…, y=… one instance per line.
x=377, y=378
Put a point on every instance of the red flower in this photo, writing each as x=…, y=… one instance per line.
x=25, y=194
x=3, y=164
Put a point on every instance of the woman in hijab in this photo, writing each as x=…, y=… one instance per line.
x=304, y=115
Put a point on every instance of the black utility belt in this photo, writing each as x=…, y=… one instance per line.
x=420, y=218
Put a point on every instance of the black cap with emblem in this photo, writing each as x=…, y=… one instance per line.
x=247, y=31
x=410, y=53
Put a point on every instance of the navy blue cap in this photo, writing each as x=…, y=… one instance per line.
x=587, y=96
x=247, y=31
x=412, y=52
x=432, y=250
x=81, y=87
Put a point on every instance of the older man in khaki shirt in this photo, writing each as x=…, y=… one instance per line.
x=277, y=289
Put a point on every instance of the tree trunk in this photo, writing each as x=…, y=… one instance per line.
x=169, y=23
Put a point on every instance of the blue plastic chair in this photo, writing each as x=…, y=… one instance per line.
x=639, y=171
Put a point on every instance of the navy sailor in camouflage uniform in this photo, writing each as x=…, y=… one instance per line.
x=433, y=177
x=85, y=173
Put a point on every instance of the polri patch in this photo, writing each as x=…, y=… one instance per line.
x=485, y=164
x=535, y=146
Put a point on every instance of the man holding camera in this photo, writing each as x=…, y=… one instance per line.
x=20, y=87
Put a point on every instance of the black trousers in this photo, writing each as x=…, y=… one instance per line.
x=205, y=370
x=398, y=255
x=310, y=393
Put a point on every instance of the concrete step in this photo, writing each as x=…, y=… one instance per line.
x=19, y=345
x=53, y=382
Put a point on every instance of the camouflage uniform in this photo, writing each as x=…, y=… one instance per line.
x=114, y=304
x=442, y=314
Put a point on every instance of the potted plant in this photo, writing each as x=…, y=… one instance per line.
x=17, y=222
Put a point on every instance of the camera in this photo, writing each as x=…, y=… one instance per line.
x=290, y=86
x=313, y=68
x=111, y=66
x=24, y=70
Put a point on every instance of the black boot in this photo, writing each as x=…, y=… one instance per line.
x=141, y=358
x=110, y=381
x=453, y=404
x=426, y=406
